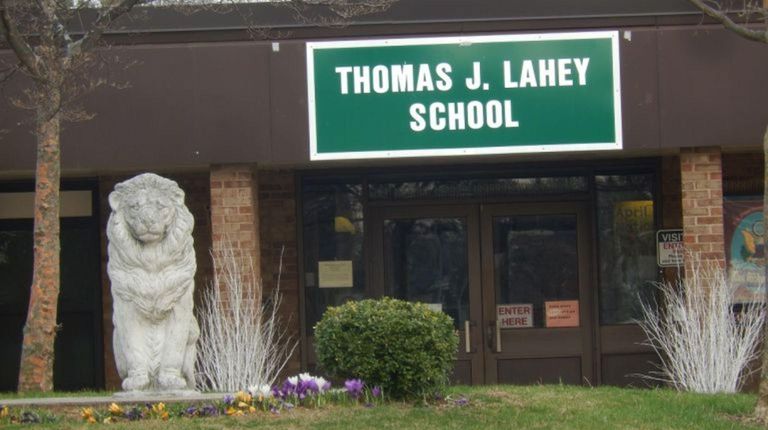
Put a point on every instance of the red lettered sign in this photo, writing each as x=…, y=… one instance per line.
x=514, y=316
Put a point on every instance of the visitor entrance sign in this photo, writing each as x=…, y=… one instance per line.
x=669, y=248
x=464, y=95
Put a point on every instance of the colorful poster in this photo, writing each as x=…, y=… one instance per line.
x=744, y=248
x=633, y=217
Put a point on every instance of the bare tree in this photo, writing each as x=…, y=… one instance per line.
x=749, y=19
x=56, y=61
x=59, y=63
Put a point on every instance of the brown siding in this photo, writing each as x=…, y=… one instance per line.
x=711, y=89
x=198, y=104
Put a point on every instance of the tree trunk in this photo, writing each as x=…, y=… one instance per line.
x=761, y=410
x=36, y=370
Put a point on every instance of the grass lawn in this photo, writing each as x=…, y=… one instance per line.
x=489, y=407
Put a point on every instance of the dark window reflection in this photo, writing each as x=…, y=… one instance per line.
x=535, y=260
x=79, y=304
x=626, y=233
x=426, y=261
x=475, y=188
x=333, y=231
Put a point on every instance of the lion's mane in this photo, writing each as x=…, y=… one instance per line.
x=130, y=262
x=152, y=278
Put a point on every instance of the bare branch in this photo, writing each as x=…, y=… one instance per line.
x=105, y=18
x=7, y=73
x=723, y=18
x=56, y=32
x=20, y=47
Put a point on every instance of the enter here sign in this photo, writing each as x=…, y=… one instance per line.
x=514, y=315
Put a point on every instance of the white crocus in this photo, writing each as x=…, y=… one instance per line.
x=265, y=390
x=320, y=381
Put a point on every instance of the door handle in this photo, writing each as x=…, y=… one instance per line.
x=494, y=336
x=467, y=337
x=498, y=336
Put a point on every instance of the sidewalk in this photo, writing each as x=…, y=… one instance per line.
x=105, y=400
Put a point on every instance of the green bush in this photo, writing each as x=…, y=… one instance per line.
x=404, y=347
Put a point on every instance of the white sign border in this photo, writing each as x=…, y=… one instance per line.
x=465, y=41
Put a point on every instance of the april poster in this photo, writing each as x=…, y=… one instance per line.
x=745, y=252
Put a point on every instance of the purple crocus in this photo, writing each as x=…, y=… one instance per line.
x=209, y=411
x=277, y=393
x=290, y=387
x=301, y=389
x=311, y=386
x=376, y=391
x=229, y=399
x=134, y=414
x=190, y=411
x=354, y=387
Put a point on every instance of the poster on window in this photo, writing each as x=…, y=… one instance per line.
x=744, y=249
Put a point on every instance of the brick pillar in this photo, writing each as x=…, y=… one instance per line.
x=701, y=178
x=234, y=215
x=277, y=198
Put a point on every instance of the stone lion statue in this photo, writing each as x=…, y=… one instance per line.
x=152, y=267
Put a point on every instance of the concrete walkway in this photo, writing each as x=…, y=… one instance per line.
x=105, y=400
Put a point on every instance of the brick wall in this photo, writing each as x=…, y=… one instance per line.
x=234, y=219
x=278, y=227
x=196, y=188
x=702, y=200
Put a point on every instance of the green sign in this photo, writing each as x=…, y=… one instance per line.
x=464, y=95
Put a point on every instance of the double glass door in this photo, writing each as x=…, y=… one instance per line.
x=514, y=278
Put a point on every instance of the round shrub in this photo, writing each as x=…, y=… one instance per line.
x=406, y=348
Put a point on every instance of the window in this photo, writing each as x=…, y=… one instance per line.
x=333, y=244
x=626, y=235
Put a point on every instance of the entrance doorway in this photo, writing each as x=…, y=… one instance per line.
x=515, y=279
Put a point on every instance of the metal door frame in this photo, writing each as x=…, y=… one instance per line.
x=547, y=345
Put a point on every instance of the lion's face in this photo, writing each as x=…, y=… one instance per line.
x=148, y=209
x=148, y=213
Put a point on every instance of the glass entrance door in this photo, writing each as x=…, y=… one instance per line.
x=514, y=278
x=537, y=307
x=431, y=255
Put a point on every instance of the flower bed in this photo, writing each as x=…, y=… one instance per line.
x=304, y=391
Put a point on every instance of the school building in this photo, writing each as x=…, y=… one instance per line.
x=525, y=167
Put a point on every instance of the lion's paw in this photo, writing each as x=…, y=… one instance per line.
x=171, y=380
x=138, y=382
